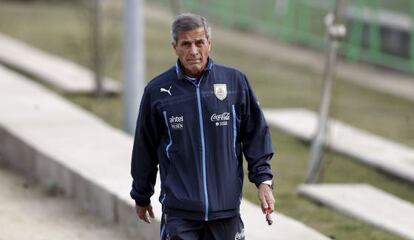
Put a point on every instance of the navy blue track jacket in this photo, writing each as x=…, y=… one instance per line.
x=196, y=131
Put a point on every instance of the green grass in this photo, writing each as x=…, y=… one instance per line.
x=62, y=29
x=396, y=5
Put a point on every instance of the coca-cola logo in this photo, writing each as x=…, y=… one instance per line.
x=220, y=117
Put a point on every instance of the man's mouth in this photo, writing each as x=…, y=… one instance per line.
x=193, y=61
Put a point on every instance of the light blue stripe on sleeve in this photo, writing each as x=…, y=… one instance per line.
x=234, y=129
x=169, y=135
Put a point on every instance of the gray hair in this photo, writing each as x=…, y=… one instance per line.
x=187, y=22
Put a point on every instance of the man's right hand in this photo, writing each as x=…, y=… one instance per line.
x=144, y=213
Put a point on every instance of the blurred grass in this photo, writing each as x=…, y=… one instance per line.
x=402, y=6
x=63, y=29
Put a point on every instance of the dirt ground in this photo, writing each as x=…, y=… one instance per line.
x=30, y=211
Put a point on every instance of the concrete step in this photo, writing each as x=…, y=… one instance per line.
x=56, y=71
x=30, y=211
x=367, y=204
x=370, y=149
x=62, y=145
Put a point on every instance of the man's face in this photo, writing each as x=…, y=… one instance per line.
x=192, y=48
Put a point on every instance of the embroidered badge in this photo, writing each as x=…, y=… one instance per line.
x=220, y=90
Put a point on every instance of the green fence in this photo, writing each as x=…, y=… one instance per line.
x=379, y=32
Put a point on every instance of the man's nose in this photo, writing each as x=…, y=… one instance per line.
x=193, y=49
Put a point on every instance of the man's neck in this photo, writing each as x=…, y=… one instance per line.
x=192, y=75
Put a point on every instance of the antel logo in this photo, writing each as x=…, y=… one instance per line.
x=177, y=122
x=179, y=119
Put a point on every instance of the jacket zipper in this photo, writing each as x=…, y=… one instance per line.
x=203, y=151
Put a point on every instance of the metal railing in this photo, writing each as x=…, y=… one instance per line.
x=379, y=31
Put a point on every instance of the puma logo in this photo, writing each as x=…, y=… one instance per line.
x=165, y=90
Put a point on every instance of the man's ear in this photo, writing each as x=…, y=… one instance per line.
x=174, y=46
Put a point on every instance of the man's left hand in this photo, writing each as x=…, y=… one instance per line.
x=266, y=198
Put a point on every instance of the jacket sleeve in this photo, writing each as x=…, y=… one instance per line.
x=144, y=154
x=256, y=139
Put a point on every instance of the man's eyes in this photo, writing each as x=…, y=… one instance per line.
x=198, y=43
x=186, y=44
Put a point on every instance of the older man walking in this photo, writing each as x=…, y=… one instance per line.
x=196, y=121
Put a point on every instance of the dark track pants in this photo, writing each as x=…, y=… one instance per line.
x=182, y=229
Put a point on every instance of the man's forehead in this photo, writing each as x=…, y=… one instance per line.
x=192, y=35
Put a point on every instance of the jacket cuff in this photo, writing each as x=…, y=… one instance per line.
x=259, y=180
x=142, y=203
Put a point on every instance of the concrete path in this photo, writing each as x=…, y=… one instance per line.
x=28, y=211
x=62, y=145
x=58, y=72
x=366, y=203
x=283, y=228
x=368, y=148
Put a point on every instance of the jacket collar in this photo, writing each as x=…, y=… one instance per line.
x=180, y=71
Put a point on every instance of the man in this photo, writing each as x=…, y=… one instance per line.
x=195, y=121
